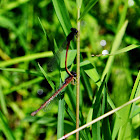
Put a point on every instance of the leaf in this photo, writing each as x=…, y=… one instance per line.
x=115, y=46
x=60, y=124
x=62, y=15
x=25, y=58
x=2, y=102
x=46, y=76
x=126, y=49
x=23, y=85
x=70, y=59
x=90, y=71
x=88, y=7
x=5, y=129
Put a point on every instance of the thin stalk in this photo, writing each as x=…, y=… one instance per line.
x=100, y=118
x=78, y=74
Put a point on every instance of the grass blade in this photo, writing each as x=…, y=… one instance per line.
x=91, y=71
x=115, y=46
x=100, y=118
x=2, y=101
x=5, y=129
x=46, y=76
x=61, y=112
x=88, y=7
x=62, y=15
x=126, y=49
x=25, y=58
x=23, y=85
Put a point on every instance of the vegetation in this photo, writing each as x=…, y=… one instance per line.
x=31, y=30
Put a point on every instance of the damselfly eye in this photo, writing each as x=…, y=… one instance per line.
x=73, y=73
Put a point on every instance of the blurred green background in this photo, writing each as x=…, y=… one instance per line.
x=29, y=32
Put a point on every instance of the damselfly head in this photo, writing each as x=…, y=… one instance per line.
x=72, y=34
x=74, y=30
x=73, y=73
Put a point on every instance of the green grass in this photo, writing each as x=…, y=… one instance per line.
x=31, y=30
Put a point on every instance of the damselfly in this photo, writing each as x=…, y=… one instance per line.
x=66, y=45
x=66, y=82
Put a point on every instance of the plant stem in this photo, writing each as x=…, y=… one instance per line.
x=78, y=74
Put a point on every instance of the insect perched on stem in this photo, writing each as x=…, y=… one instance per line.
x=70, y=37
x=66, y=82
x=72, y=74
x=66, y=45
